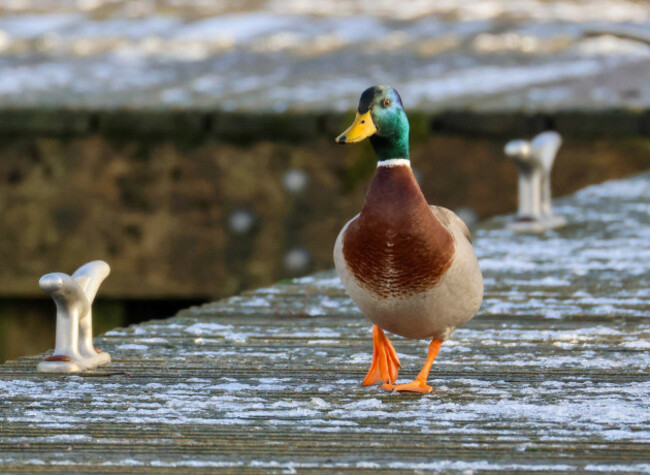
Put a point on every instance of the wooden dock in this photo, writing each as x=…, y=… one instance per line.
x=552, y=375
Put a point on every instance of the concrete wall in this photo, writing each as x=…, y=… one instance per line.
x=152, y=192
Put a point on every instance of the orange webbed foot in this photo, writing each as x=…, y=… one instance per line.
x=413, y=387
x=385, y=363
x=420, y=384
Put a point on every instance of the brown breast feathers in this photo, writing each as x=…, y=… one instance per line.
x=396, y=247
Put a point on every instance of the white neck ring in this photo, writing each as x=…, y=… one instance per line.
x=394, y=162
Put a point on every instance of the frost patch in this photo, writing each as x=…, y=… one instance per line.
x=132, y=347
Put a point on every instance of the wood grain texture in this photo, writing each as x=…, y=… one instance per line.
x=551, y=376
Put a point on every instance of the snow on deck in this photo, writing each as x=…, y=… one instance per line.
x=552, y=375
x=276, y=55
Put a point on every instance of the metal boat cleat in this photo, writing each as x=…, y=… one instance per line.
x=534, y=162
x=73, y=295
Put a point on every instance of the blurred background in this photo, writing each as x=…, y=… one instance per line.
x=190, y=143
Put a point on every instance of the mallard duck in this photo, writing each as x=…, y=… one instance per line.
x=408, y=266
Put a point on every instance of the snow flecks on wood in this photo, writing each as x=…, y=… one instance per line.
x=552, y=375
x=288, y=55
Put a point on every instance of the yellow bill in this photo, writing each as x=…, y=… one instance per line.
x=362, y=128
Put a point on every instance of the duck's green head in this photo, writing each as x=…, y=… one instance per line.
x=381, y=118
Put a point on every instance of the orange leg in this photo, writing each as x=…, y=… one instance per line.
x=420, y=383
x=385, y=363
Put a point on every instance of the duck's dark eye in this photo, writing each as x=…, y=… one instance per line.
x=363, y=121
x=386, y=102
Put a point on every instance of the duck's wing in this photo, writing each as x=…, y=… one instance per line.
x=451, y=220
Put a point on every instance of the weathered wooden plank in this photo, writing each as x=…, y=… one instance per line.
x=289, y=56
x=551, y=376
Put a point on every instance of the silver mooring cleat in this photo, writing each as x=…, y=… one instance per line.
x=534, y=161
x=73, y=296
